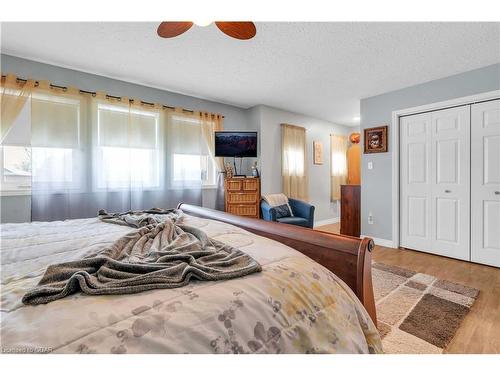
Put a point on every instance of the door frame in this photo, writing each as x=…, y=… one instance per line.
x=394, y=136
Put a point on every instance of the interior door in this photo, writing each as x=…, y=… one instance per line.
x=450, y=205
x=485, y=183
x=435, y=182
x=415, y=182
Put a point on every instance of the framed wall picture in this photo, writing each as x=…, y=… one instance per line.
x=317, y=153
x=376, y=140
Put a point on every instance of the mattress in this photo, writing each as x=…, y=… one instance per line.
x=293, y=306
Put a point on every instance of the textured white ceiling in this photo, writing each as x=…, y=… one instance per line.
x=317, y=69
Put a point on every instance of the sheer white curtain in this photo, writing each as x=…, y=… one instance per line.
x=70, y=154
x=13, y=98
x=15, y=149
x=210, y=123
x=145, y=156
x=58, y=153
x=110, y=153
x=293, y=162
x=148, y=157
x=186, y=167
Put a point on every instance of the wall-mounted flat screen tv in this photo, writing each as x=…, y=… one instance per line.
x=236, y=144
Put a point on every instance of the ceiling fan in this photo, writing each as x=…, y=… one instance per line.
x=238, y=30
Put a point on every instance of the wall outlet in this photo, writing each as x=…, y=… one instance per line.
x=370, y=218
x=370, y=165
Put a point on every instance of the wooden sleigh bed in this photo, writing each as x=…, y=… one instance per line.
x=292, y=306
x=347, y=257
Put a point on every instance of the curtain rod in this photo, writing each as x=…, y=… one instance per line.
x=93, y=93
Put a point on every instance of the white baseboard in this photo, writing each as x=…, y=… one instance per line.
x=381, y=241
x=333, y=220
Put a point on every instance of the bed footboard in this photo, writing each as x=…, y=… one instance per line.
x=348, y=257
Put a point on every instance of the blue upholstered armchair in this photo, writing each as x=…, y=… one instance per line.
x=303, y=213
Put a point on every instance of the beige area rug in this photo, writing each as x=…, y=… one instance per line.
x=418, y=313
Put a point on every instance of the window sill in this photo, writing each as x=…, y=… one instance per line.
x=13, y=193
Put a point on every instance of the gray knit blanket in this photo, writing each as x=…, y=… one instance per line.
x=160, y=253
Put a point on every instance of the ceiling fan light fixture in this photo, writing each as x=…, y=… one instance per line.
x=243, y=30
x=202, y=22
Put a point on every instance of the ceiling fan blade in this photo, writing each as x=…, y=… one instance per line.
x=238, y=30
x=173, y=29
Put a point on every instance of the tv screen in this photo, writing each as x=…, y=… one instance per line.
x=236, y=144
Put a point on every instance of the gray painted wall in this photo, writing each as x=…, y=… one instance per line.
x=270, y=155
x=376, y=184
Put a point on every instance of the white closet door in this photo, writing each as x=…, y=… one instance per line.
x=435, y=182
x=415, y=182
x=485, y=183
x=450, y=207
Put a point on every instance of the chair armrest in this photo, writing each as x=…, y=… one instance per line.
x=302, y=209
x=268, y=213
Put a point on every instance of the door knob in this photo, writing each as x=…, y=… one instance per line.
x=447, y=191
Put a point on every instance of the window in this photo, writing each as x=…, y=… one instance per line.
x=50, y=148
x=191, y=163
x=339, y=163
x=121, y=167
x=295, y=161
x=16, y=171
x=192, y=168
x=15, y=155
x=55, y=140
x=128, y=148
x=338, y=175
x=42, y=147
x=52, y=165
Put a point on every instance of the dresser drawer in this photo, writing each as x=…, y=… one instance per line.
x=233, y=185
x=243, y=209
x=250, y=185
x=239, y=198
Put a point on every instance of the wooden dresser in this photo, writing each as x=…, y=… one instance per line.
x=350, y=210
x=242, y=196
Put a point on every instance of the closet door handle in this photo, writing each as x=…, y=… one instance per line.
x=447, y=191
x=497, y=192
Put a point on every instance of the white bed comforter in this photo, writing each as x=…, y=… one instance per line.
x=293, y=306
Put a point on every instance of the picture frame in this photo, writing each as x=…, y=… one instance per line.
x=317, y=153
x=375, y=140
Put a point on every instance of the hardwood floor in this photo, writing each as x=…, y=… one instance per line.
x=480, y=330
x=332, y=228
